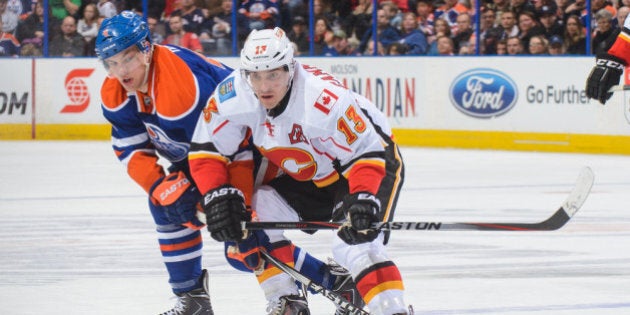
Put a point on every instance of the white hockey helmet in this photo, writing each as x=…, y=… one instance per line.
x=267, y=49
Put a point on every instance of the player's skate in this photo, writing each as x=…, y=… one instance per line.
x=344, y=286
x=195, y=302
x=289, y=305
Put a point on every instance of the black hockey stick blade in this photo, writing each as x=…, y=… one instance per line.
x=336, y=298
x=569, y=207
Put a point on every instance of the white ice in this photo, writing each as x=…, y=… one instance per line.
x=77, y=237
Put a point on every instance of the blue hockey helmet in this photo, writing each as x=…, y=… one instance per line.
x=121, y=32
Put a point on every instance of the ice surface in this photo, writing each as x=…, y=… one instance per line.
x=77, y=237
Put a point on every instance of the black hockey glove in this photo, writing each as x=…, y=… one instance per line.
x=605, y=74
x=177, y=198
x=225, y=209
x=361, y=210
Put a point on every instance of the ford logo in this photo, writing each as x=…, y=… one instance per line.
x=483, y=93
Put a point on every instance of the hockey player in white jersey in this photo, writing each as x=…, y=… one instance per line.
x=336, y=158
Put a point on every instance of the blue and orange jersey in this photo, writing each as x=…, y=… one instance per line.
x=162, y=120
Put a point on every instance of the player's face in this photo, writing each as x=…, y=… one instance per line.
x=129, y=68
x=270, y=86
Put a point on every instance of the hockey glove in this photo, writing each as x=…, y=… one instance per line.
x=605, y=74
x=178, y=198
x=361, y=210
x=225, y=209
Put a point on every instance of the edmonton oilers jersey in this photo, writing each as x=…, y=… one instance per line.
x=163, y=119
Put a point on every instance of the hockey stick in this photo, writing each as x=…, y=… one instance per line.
x=335, y=297
x=617, y=88
x=569, y=207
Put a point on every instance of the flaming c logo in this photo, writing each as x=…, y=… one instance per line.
x=77, y=91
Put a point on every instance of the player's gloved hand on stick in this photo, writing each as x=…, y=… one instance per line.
x=606, y=73
x=178, y=198
x=362, y=210
x=224, y=208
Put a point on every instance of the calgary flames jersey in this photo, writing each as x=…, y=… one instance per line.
x=326, y=130
x=162, y=120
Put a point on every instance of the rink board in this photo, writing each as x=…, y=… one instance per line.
x=513, y=103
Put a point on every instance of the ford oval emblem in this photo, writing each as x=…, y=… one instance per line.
x=483, y=93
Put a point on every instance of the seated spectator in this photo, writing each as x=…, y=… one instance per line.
x=360, y=20
x=396, y=49
x=180, y=37
x=21, y=8
x=449, y=11
x=602, y=32
x=369, y=50
x=260, y=14
x=464, y=30
x=556, y=45
x=88, y=25
x=193, y=19
x=31, y=29
x=445, y=46
x=622, y=14
x=106, y=8
x=68, y=43
x=520, y=6
x=508, y=25
x=323, y=35
x=412, y=37
x=299, y=35
x=9, y=17
x=222, y=28
x=157, y=36
x=385, y=33
x=575, y=36
x=393, y=13
x=514, y=46
x=549, y=21
x=538, y=45
x=9, y=45
x=529, y=27
x=426, y=18
x=501, y=47
x=62, y=8
x=441, y=29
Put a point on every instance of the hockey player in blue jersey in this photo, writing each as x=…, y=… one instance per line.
x=152, y=97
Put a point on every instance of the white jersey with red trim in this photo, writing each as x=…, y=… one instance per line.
x=322, y=123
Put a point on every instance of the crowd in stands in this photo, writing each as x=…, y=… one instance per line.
x=341, y=27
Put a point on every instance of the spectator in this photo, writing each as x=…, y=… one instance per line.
x=9, y=45
x=323, y=34
x=556, y=45
x=622, y=13
x=393, y=13
x=62, y=8
x=106, y=8
x=193, y=19
x=412, y=37
x=501, y=48
x=21, y=8
x=30, y=31
x=464, y=30
x=597, y=6
x=489, y=42
x=88, y=25
x=68, y=43
x=341, y=44
x=449, y=12
x=575, y=36
x=156, y=36
x=385, y=33
x=549, y=21
x=602, y=31
x=425, y=17
x=180, y=37
x=299, y=35
x=529, y=27
x=396, y=49
x=441, y=29
x=361, y=19
x=578, y=7
x=508, y=25
x=445, y=46
x=9, y=17
x=369, y=50
x=514, y=46
x=499, y=6
x=538, y=45
x=520, y=6
x=260, y=14
x=222, y=28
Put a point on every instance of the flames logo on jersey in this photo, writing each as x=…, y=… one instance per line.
x=210, y=108
x=326, y=101
x=297, y=135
